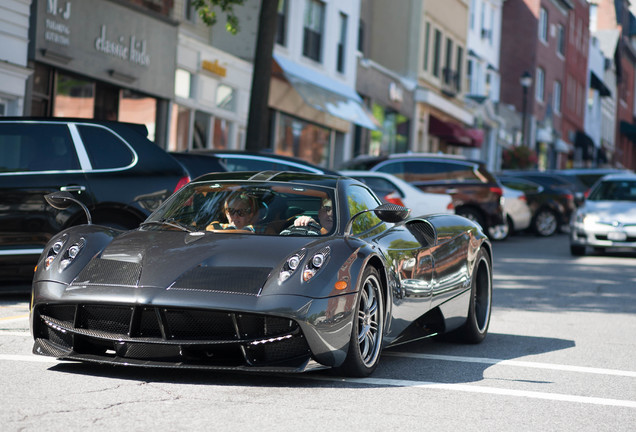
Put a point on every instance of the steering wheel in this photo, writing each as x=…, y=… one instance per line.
x=311, y=229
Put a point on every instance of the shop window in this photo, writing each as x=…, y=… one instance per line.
x=302, y=139
x=105, y=150
x=74, y=97
x=226, y=97
x=222, y=133
x=179, y=128
x=138, y=108
x=392, y=135
x=313, y=29
x=201, y=131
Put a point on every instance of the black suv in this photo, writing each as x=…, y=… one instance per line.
x=476, y=193
x=111, y=167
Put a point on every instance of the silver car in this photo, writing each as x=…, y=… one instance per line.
x=608, y=216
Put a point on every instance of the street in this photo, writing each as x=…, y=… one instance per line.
x=559, y=356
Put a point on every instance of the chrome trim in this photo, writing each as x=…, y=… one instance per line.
x=11, y=252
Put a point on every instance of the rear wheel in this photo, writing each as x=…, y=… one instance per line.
x=368, y=328
x=476, y=326
x=545, y=223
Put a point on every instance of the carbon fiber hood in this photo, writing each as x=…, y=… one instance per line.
x=175, y=260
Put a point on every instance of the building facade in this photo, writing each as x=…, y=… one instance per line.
x=14, y=73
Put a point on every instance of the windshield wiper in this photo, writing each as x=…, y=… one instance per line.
x=170, y=222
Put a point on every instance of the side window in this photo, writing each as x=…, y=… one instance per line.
x=240, y=164
x=36, y=147
x=438, y=171
x=380, y=186
x=105, y=149
x=360, y=199
x=395, y=168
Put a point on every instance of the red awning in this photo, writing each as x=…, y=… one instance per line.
x=455, y=134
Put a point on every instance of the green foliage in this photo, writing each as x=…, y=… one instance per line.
x=207, y=10
x=519, y=157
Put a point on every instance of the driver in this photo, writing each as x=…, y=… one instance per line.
x=325, y=216
x=240, y=211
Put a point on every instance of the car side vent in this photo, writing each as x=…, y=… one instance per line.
x=423, y=232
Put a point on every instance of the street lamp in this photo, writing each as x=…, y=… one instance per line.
x=526, y=82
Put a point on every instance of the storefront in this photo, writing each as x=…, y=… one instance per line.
x=103, y=60
x=390, y=98
x=212, y=90
x=312, y=115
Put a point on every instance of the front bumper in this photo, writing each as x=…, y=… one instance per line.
x=275, y=333
x=602, y=236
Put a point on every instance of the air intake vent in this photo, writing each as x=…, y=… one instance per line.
x=423, y=232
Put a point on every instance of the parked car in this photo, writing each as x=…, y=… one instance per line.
x=584, y=178
x=182, y=292
x=517, y=212
x=551, y=206
x=111, y=167
x=392, y=189
x=607, y=219
x=476, y=193
x=239, y=160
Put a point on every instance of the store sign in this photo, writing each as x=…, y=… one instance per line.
x=214, y=67
x=128, y=49
x=395, y=93
x=57, y=30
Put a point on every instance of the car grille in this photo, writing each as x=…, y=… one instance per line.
x=206, y=338
x=629, y=239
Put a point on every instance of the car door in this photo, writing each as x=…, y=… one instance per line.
x=36, y=158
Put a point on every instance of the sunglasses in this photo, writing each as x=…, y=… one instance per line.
x=326, y=209
x=238, y=212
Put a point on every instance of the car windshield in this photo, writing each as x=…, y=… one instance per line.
x=614, y=190
x=260, y=208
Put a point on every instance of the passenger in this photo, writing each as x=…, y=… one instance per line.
x=325, y=216
x=240, y=211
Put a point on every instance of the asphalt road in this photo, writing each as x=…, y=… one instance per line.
x=560, y=355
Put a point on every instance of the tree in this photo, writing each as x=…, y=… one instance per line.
x=257, y=127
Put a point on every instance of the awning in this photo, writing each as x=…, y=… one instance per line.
x=561, y=146
x=598, y=84
x=586, y=144
x=326, y=94
x=455, y=134
x=629, y=130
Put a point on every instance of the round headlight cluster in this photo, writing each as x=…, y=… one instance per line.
x=290, y=266
x=315, y=263
x=54, y=251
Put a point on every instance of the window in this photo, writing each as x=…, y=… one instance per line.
x=557, y=97
x=362, y=199
x=281, y=29
x=471, y=15
x=222, y=133
x=543, y=25
x=448, y=69
x=427, y=31
x=561, y=40
x=105, y=150
x=74, y=97
x=539, y=87
x=342, y=43
x=313, y=29
x=225, y=97
x=361, y=36
x=459, y=68
x=189, y=13
x=437, y=48
x=182, y=83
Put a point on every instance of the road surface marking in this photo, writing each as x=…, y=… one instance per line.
x=15, y=318
x=518, y=363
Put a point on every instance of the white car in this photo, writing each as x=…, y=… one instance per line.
x=518, y=214
x=390, y=188
x=607, y=218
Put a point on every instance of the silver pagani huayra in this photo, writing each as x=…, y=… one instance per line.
x=319, y=274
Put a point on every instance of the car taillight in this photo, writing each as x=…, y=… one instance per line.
x=182, y=182
x=523, y=198
x=394, y=198
x=450, y=206
x=496, y=190
x=568, y=197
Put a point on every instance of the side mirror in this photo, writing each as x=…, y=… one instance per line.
x=386, y=212
x=62, y=200
x=392, y=213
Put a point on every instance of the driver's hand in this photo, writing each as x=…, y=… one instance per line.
x=304, y=221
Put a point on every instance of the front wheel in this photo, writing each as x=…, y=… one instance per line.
x=476, y=326
x=545, y=223
x=368, y=328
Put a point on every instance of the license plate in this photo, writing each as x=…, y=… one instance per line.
x=617, y=236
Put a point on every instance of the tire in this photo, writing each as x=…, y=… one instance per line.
x=577, y=250
x=545, y=223
x=476, y=327
x=365, y=344
x=500, y=232
x=473, y=215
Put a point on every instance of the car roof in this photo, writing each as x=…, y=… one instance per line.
x=137, y=127
x=619, y=176
x=276, y=176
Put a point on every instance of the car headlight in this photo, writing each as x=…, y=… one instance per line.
x=54, y=251
x=589, y=219
x=290, y=266
x=72, y=252
x=316, y=262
